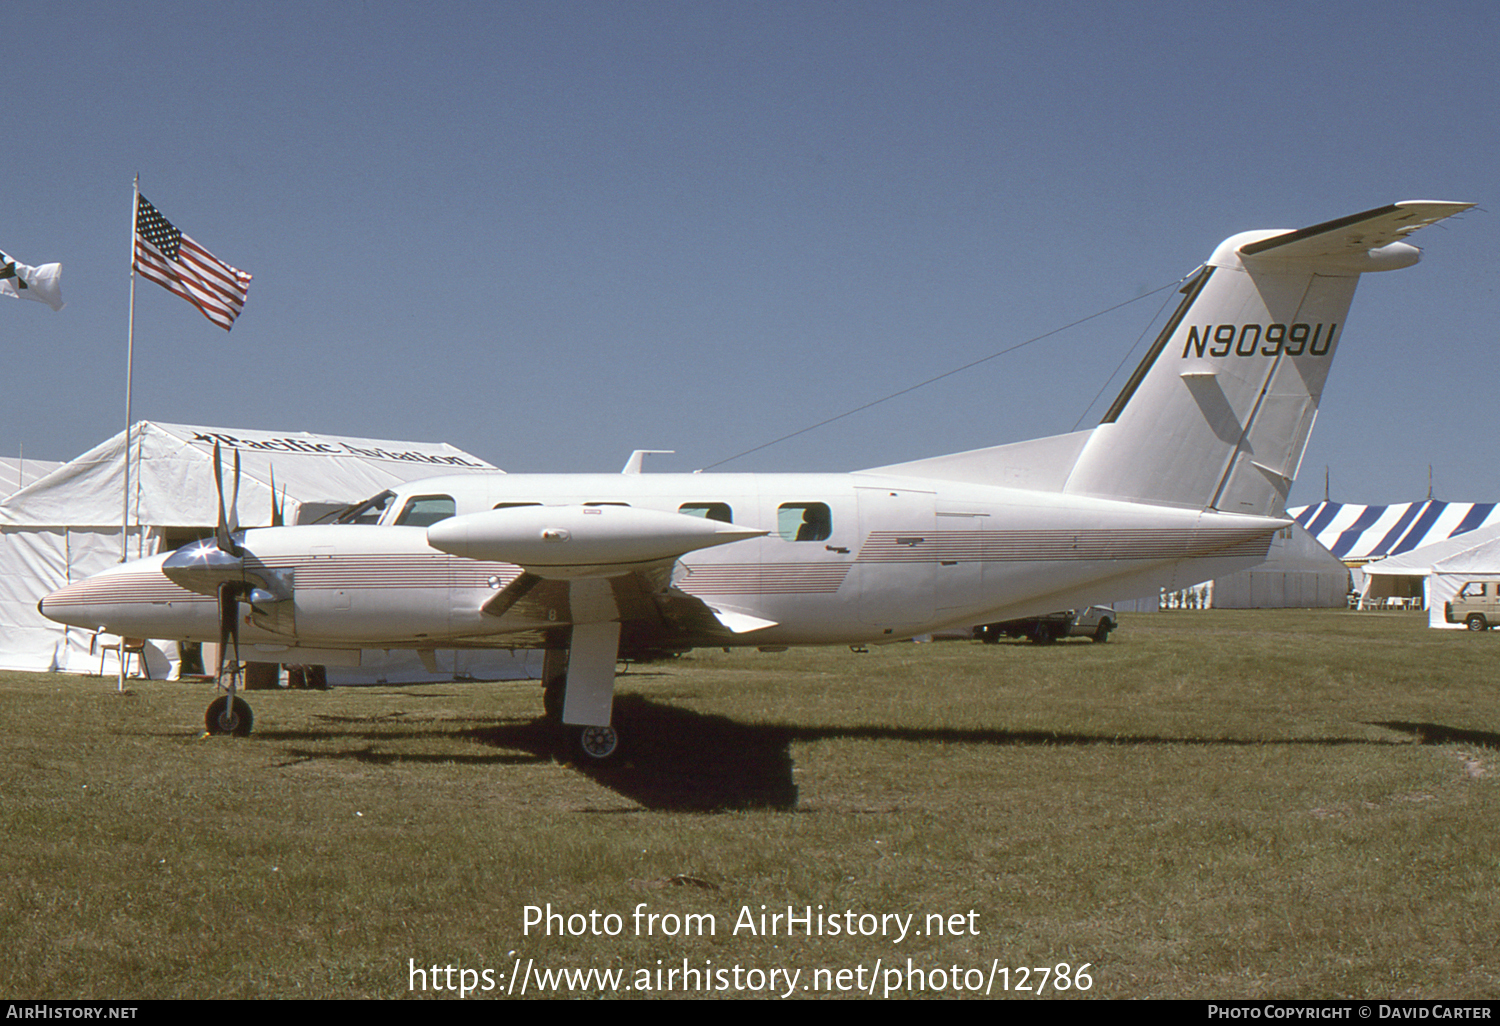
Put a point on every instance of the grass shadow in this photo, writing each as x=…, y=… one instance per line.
x=1437, y=734
x=675, y=759
x=1046, y=738
x=678, y=759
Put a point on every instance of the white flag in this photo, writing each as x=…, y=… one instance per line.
x=44, y=284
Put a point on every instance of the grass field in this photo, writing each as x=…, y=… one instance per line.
x=1256, y=804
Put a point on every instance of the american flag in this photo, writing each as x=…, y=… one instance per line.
x=181, y=266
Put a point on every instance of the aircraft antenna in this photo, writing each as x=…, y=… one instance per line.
x=1133, y=346
x=946, y=374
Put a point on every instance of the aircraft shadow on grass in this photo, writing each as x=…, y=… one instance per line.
x=677, y=760
x=685, y=761
x=1438, y=734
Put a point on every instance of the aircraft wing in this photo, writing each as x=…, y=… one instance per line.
x=654, y=614
x=531, y=601
x=598, y=579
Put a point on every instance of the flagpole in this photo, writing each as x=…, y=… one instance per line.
x=135, y=204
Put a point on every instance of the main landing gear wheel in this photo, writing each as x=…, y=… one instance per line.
x=597, y=744
x=222, y=718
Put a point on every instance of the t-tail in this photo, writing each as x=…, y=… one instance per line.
x=1218, y=414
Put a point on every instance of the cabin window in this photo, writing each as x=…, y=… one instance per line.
x=513, y=505
x=804, y=521
x=606, y=504
x=719, y=511
x=426, y=510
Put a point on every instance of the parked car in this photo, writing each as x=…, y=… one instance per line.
x=1094, y=622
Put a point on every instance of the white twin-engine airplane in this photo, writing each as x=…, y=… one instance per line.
x=1185, y=479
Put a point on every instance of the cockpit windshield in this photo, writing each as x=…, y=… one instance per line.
x=367, y=512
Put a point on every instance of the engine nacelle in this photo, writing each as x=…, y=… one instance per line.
x=573, y=541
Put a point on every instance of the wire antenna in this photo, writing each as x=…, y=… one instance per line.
x=940, y=377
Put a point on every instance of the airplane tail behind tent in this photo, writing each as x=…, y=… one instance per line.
x=1218, y=414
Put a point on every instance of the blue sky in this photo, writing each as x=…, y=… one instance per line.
x=551, y=233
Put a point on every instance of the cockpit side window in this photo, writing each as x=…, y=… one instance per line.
x=804, y=521
x=426, y=510
x=719, y=511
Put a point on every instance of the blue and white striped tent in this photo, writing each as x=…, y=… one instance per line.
x=1358, y=534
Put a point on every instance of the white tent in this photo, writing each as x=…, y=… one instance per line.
x=1298, y=573
x=67, y=524
x=1440, y=568
x=16, y=473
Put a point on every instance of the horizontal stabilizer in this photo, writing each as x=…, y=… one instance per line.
x=1352, y=236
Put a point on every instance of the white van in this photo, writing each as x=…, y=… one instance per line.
x=1477, y=605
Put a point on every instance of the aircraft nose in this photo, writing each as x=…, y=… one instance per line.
x=133, y=599
x=69, y=604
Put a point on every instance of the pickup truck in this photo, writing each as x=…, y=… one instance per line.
x=1094, y=622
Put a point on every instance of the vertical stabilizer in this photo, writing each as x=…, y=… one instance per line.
x=1219, y=412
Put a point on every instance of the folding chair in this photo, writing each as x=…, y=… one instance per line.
x=124, y=649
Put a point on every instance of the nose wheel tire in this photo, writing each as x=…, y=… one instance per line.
x=224, y=718
x=597, y=744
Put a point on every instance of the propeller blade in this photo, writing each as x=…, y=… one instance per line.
x=221, y=529
x=234, y=632
x=224, y=531
x=278, y=517
x=230, y=714
x=234, y=502
x=229, y=625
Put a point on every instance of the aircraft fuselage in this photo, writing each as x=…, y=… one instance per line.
x=846, y=559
